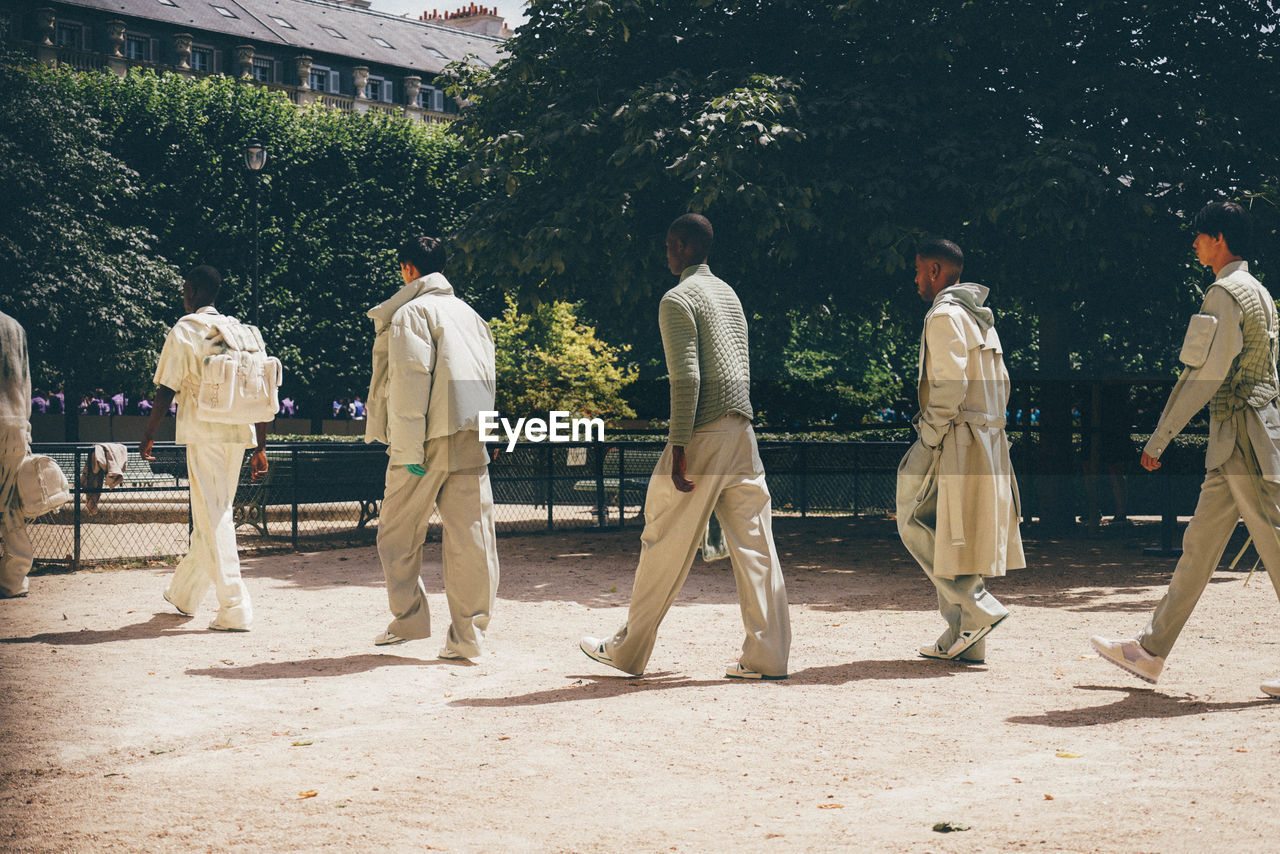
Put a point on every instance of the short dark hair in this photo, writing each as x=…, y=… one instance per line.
x=426, y=254
x=205, y=282
x=1231, y=221
x=941, y=249
x=694, y=230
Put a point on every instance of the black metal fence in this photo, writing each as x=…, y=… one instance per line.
x=326, y=494
x=329, y=493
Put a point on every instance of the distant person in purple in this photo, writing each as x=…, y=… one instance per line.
x=286, y=407
x=144, y=407
x=39, y=406
x=118, y=403
x=357, y=408
x=58, y=403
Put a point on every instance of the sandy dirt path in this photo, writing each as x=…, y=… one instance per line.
x=127, y=727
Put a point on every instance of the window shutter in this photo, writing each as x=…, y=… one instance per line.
x=437, y=100
x=386, y=91
x=333, y=82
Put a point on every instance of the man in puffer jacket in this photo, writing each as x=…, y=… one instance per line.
x=433, y=374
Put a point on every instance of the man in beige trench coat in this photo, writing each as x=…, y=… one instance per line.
x=957, y=496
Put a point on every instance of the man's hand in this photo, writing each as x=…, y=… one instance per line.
x=415, y=470
x=678, y=465
x=1149, y=462
x=258, y=465
x=144, y=450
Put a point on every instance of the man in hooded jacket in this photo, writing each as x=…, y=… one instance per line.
x=957, y=497
x=433, y=374
x=15, y=441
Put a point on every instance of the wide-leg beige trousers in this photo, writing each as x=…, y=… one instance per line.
x=18, y=555
x=1229, y=492
x=213, y=471
x=963, y=601
x=469, y=552
x=724, y=465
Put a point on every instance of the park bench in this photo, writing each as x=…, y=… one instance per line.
x=637, y=465
x=320, y=476
x=138, y=473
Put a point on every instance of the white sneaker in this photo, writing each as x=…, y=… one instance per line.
x=1272, y=688
x=1129, y=655
x=175, y=607
x=223, y=627
x=451, y=655
x=737, y=671
x=387, y=639
x=594, y=649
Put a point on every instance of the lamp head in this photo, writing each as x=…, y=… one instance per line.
x=255, y=155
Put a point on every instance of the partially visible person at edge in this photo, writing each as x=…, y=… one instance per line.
x=1229, y=358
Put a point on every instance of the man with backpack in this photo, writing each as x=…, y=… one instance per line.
x=206, y=359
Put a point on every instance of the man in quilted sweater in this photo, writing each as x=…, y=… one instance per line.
x=15, y=437
x=711, y=463
x=1229, y=354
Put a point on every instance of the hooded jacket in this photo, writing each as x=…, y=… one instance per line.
x=433, y=369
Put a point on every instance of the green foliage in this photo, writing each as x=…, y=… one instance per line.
x=82, y=278
x=339, y=193
x=1063, y=144
x=547, y=359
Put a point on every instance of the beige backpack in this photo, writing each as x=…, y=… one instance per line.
x=42, y=487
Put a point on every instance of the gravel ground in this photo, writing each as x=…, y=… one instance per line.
x=128, y=727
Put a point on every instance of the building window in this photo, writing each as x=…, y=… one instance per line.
x=318, y=80
x=69, y=35
x=331, y=31
x=373, y=91
x=436, y=53
x=167, y=3
x=223, y=11
x=430, y=98
x=282, y=22
x=381, y=42
x=264, y=69
x=201, y=59
x=137, y=47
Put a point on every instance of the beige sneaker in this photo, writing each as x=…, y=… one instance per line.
x=1129, y=655
x=1272, y=688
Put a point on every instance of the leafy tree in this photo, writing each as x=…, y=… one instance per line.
x=547, y=359
x=84, y=280
x=1062, y=143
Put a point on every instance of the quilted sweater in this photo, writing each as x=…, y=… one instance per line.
x=704, y=336
x=1252, y=381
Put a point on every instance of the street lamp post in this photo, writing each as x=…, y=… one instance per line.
x=255, y=157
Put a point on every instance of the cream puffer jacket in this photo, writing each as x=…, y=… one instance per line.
x=433, y=369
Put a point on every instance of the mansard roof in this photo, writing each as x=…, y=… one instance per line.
x=414, y=44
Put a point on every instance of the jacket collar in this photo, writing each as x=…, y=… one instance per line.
x=432, y=283
x=1233, y=267
x=972, y=298
x=695, y=270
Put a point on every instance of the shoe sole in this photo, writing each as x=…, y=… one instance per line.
x=606, y=662
x=175, y=607
x=390, y=642
x=755, y=677
x=958, y=658
x=1105, y=656
x=214, y=628
x=447, y=655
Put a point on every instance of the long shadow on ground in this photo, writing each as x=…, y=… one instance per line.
x=1137, y=704
x=310, y=668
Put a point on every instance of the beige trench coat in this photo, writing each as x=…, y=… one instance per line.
x=962, y=452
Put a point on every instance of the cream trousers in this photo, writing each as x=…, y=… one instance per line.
x=1229, y=492
x=469, y=552
x=728, y=478
x=213, y=470
x=15, y=563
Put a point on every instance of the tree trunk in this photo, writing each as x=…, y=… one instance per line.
x=1055, y=454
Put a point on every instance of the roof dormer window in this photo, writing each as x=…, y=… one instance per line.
x=223, y=11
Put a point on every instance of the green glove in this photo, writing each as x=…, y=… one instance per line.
x=415, y=470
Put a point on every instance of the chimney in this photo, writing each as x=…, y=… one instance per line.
x=472, y=19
